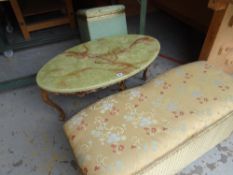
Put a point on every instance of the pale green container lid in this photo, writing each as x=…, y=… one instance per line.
x=101, y=11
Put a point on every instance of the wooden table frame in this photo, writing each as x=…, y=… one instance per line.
x=27, y=28
x=62, y=116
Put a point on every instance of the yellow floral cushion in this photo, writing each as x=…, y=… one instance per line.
x=124, y=133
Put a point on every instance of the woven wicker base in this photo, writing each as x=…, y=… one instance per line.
x=192, y=149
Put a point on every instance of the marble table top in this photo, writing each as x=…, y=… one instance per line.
x=98, y=63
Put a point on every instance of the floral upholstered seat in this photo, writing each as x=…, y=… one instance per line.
x=130, y=132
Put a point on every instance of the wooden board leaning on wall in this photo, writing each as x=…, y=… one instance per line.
x=221, y=52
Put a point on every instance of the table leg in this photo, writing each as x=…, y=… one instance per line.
x=19, y=16
x=144, y=77
x=47, y=100
x=70, y=13
x=122, y=85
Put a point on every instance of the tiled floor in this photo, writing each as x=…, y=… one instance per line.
x=32, y=141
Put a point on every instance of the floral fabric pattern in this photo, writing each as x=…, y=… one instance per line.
x=123, y=133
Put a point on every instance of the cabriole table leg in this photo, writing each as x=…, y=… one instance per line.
x=47, y=100
x=145, y=74
x=122, y=85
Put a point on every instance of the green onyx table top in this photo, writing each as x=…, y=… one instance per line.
x=98, y=63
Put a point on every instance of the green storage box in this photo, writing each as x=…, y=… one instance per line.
x=100, y=22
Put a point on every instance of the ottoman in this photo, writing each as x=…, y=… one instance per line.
x=100, y=22
x=157, y=128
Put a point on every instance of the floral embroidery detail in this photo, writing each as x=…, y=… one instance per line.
x=82, y=125
x=202, y=100
x=117, y=148
x=206, y=68
x=133, y=147
x=165, y=87
x=105, y=105
x=150, y=131
x=224, y=88
x=114, y=138
x=100, y=163
x=191, y=112
x=178, y=114
x=145, y=122
x=106, y=134
x=137, y=96
x=96, y=133
x=187, y=76
x=85, y=148
x=130, y=117
x=142, y=97
x=79, y=118
x=134, y=93
x=114, y=111
x=136, y=143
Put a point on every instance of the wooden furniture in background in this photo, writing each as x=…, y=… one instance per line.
x=218, y=46
x=192, y=12
x=40, y=7
x=214, y=17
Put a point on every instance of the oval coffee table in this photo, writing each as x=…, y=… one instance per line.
x=96, y=64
